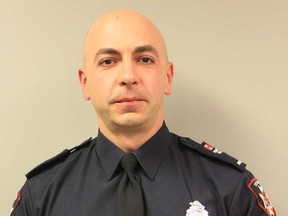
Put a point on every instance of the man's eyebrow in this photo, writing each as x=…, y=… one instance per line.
x=110, y=51
x=146, y=48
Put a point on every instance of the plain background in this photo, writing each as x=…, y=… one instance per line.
x=230, y=86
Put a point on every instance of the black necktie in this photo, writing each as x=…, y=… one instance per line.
x=129, y=192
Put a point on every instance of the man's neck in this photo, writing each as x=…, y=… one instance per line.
x=129, y=140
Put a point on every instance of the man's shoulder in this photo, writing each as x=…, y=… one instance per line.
x=58, y=159
x=206, y=150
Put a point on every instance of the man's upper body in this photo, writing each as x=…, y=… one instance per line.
x=126, y=74
x=178, y=177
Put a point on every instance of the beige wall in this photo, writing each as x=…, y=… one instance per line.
x=230, y=86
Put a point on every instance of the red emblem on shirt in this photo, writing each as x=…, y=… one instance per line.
x=262, y=198
x=208, y=147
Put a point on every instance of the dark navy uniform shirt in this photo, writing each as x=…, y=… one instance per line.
x=179, y=178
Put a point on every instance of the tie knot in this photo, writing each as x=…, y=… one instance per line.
x=128, y=163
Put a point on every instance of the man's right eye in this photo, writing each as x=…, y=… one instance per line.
x=106, y=62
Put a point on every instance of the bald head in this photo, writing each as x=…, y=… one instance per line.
x=123, y=29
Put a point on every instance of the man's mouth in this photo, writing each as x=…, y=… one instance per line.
x=128, y=99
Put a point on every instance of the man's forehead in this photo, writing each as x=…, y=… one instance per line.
x=125, y=34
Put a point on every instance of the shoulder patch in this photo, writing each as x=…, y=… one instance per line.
x=262, y=198
x=15, y=204
x=210, y=151
x=56, y=159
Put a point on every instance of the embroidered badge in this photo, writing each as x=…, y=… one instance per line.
x=15, y=204
x=196, y=209
x=262, y=198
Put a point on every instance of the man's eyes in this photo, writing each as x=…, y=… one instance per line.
x=110, y=61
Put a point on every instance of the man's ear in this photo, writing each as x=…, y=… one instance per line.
x=170, y=75
x=83, y=83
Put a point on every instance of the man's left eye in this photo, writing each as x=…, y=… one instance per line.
x=146, y=60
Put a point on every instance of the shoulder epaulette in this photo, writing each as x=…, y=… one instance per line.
x=56, y=159
x=210, y=151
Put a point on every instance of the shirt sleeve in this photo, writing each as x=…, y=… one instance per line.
x=250, y=199
x=23, y=205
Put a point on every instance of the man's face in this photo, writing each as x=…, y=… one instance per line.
x=126, y=73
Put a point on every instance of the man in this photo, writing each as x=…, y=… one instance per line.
x=126, y=73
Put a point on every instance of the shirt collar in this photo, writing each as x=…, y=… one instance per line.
x=109, y=154
x=149, y=154
x=152, y=152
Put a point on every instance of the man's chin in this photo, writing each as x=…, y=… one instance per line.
x=130, y=121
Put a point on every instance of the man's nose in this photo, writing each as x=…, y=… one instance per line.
x=128, y=75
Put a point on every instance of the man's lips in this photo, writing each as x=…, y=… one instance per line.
x=129, y=101
x=123, y=100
